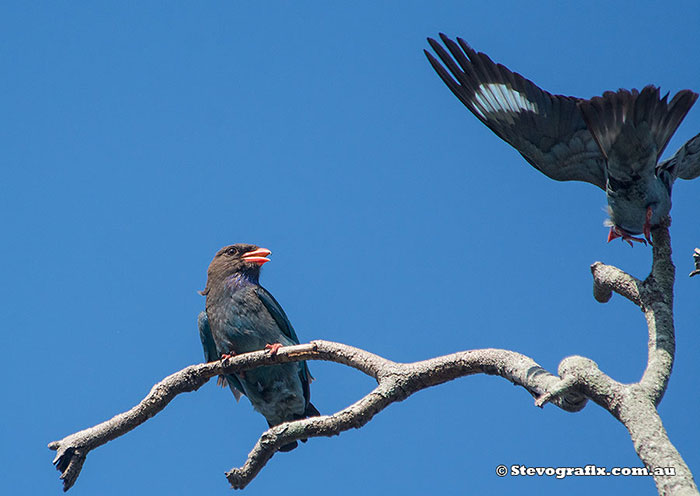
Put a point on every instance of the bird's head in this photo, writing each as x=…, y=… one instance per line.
x=239, y=259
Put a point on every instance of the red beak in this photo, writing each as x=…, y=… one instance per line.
x=258, y=256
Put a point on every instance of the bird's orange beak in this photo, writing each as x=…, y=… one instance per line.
x=258, y=256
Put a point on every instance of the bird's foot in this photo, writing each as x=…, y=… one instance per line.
x=618, y=232
x=274, y=348
x=220, y=381
x=647, y=226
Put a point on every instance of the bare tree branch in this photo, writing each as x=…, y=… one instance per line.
x=579, y=378
x=396, y=381
x=635, y=404
x=608, y=279
x=635, y=409
x=654, y=296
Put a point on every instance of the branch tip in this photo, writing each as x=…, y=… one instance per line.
x=564, y=387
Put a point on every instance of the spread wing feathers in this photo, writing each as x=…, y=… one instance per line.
x=685, y=163
x=548, y=130
x=210, y=355
x=634, y=126
x=285, y=325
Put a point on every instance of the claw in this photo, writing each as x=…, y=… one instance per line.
x=220, y=381
x=618, y=232
x=274, y=348
x=629, y=239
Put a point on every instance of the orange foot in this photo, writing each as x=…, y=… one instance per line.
x=224, y=356
x=274, y=348
x=618, y=232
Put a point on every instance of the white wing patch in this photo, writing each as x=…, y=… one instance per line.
x=497, y=97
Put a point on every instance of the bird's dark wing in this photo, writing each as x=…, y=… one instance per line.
x=685, y=163
x=280, y=317
x=277, y=313
x=211, y=355
x=548, y=130
x=634, y=126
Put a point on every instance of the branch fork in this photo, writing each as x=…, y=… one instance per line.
x=579, y=379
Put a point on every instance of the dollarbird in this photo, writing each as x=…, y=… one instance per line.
x=241, y=316
x=613, y=141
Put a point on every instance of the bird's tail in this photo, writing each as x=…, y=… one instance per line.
x=310, y=411
x=289, y=447
x=645, y=114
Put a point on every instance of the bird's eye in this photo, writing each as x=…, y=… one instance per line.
x=231, y=251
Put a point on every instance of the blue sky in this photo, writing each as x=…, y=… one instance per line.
x=140, y=137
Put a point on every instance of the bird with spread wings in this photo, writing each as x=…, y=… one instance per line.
x=614, y=141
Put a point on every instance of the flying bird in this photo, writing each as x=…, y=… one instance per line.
x=614, y=141
x=241, y=316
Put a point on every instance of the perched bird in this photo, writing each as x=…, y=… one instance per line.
x=241, y=316
x=614, y=141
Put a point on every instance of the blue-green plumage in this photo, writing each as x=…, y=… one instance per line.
x=210, y=355
x=242, y=316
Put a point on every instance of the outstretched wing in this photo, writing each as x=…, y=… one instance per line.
x=685, y=163
x=211, y=355
x=548, y=130
x=634, y=127
x=280, y=317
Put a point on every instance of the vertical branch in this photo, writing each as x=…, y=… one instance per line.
x=656, y=297
x=653, y=446
x=635, y=404
x=632, y=406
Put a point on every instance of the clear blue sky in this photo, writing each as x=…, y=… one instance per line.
x=139, y=137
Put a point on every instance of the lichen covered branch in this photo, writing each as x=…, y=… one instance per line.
x=634, y=408
x=396, y=381
x=608, y=279
x=657, y=305
x=654, y=296
x=635, y=404
x=579, y=379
